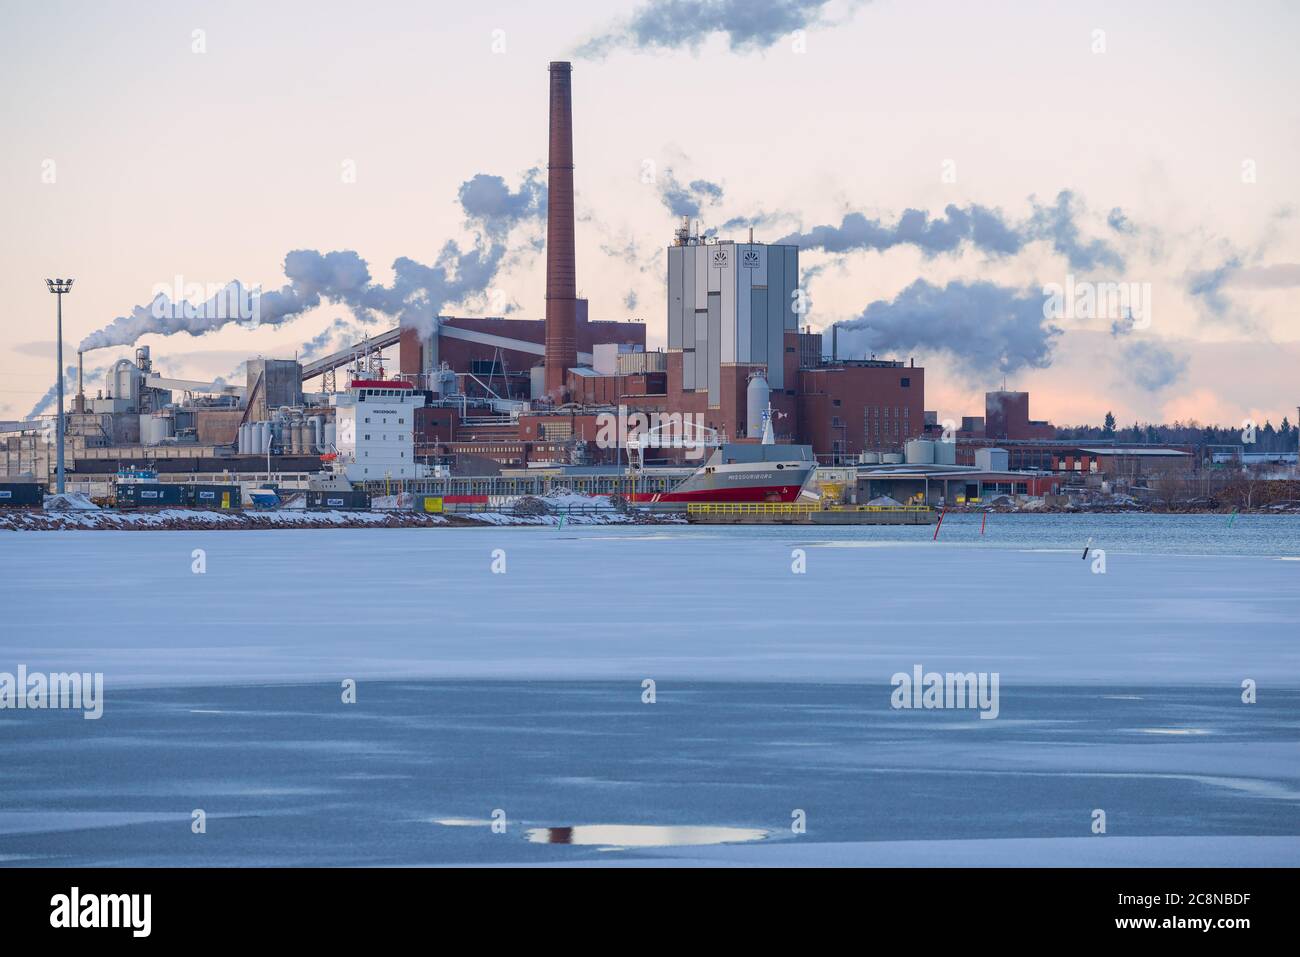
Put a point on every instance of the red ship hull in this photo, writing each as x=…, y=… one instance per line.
x=756, y=493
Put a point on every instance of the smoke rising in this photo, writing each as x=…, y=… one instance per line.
x=1058, y=223
x=677, y=24
x=316, y=345
x=47, y=402
x=984, y=328
x=341, y=277
x=1152, y=366
x=980, y=227
x=690, y=199
x=489, y=202
x=1207, y=286
x=1149, y=364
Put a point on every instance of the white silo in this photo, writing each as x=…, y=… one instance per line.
x=945, y=453
x=757, y=396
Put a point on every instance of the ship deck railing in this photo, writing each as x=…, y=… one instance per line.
x=791, y=508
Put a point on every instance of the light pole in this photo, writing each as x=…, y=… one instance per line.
x=59, y=287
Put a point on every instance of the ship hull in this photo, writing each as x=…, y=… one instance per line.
x=739, y=482
x=755, y=493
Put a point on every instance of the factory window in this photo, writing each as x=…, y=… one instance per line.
x=906, y=382
x=367, y=436
x=835, y=421
x=835, y=402
x=367, y=420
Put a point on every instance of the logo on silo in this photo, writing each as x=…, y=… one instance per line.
x=720, y=259
x=750, y=259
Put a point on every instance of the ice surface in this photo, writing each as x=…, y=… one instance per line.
x=595, y=603
x=1119, y=691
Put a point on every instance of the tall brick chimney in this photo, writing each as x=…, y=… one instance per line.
x=561, y=284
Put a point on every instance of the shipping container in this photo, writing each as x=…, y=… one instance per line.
x=348, y=501
x=21, y=494
x=137, y=494
x=215, y=496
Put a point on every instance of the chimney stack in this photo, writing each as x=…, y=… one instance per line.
x=561, y=283
x=79, y=403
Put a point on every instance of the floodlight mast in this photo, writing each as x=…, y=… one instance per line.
x=58, y=287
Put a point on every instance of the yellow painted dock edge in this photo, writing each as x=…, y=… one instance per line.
x=790, y=508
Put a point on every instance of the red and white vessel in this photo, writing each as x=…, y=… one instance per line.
x=746, y=472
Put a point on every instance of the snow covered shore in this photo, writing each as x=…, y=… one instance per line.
x=188, y=519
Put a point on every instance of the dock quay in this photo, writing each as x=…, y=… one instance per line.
x=796, y=513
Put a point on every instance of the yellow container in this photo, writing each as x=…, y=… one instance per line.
x=432, y=503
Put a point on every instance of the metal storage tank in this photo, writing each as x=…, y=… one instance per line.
x=125, y=379
x=919, y=452
x=264, y=443
x=945, y=453
x=331, y=435
x=317, y=432
x=757, y=396
x=891, y=458
x=155, y=428
x=869, y=458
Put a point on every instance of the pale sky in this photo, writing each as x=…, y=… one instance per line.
x=137, y=151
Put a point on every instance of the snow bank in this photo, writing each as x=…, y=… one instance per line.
x=561, y=518
x=70, y=501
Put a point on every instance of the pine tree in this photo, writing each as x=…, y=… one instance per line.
x=1109, y=427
